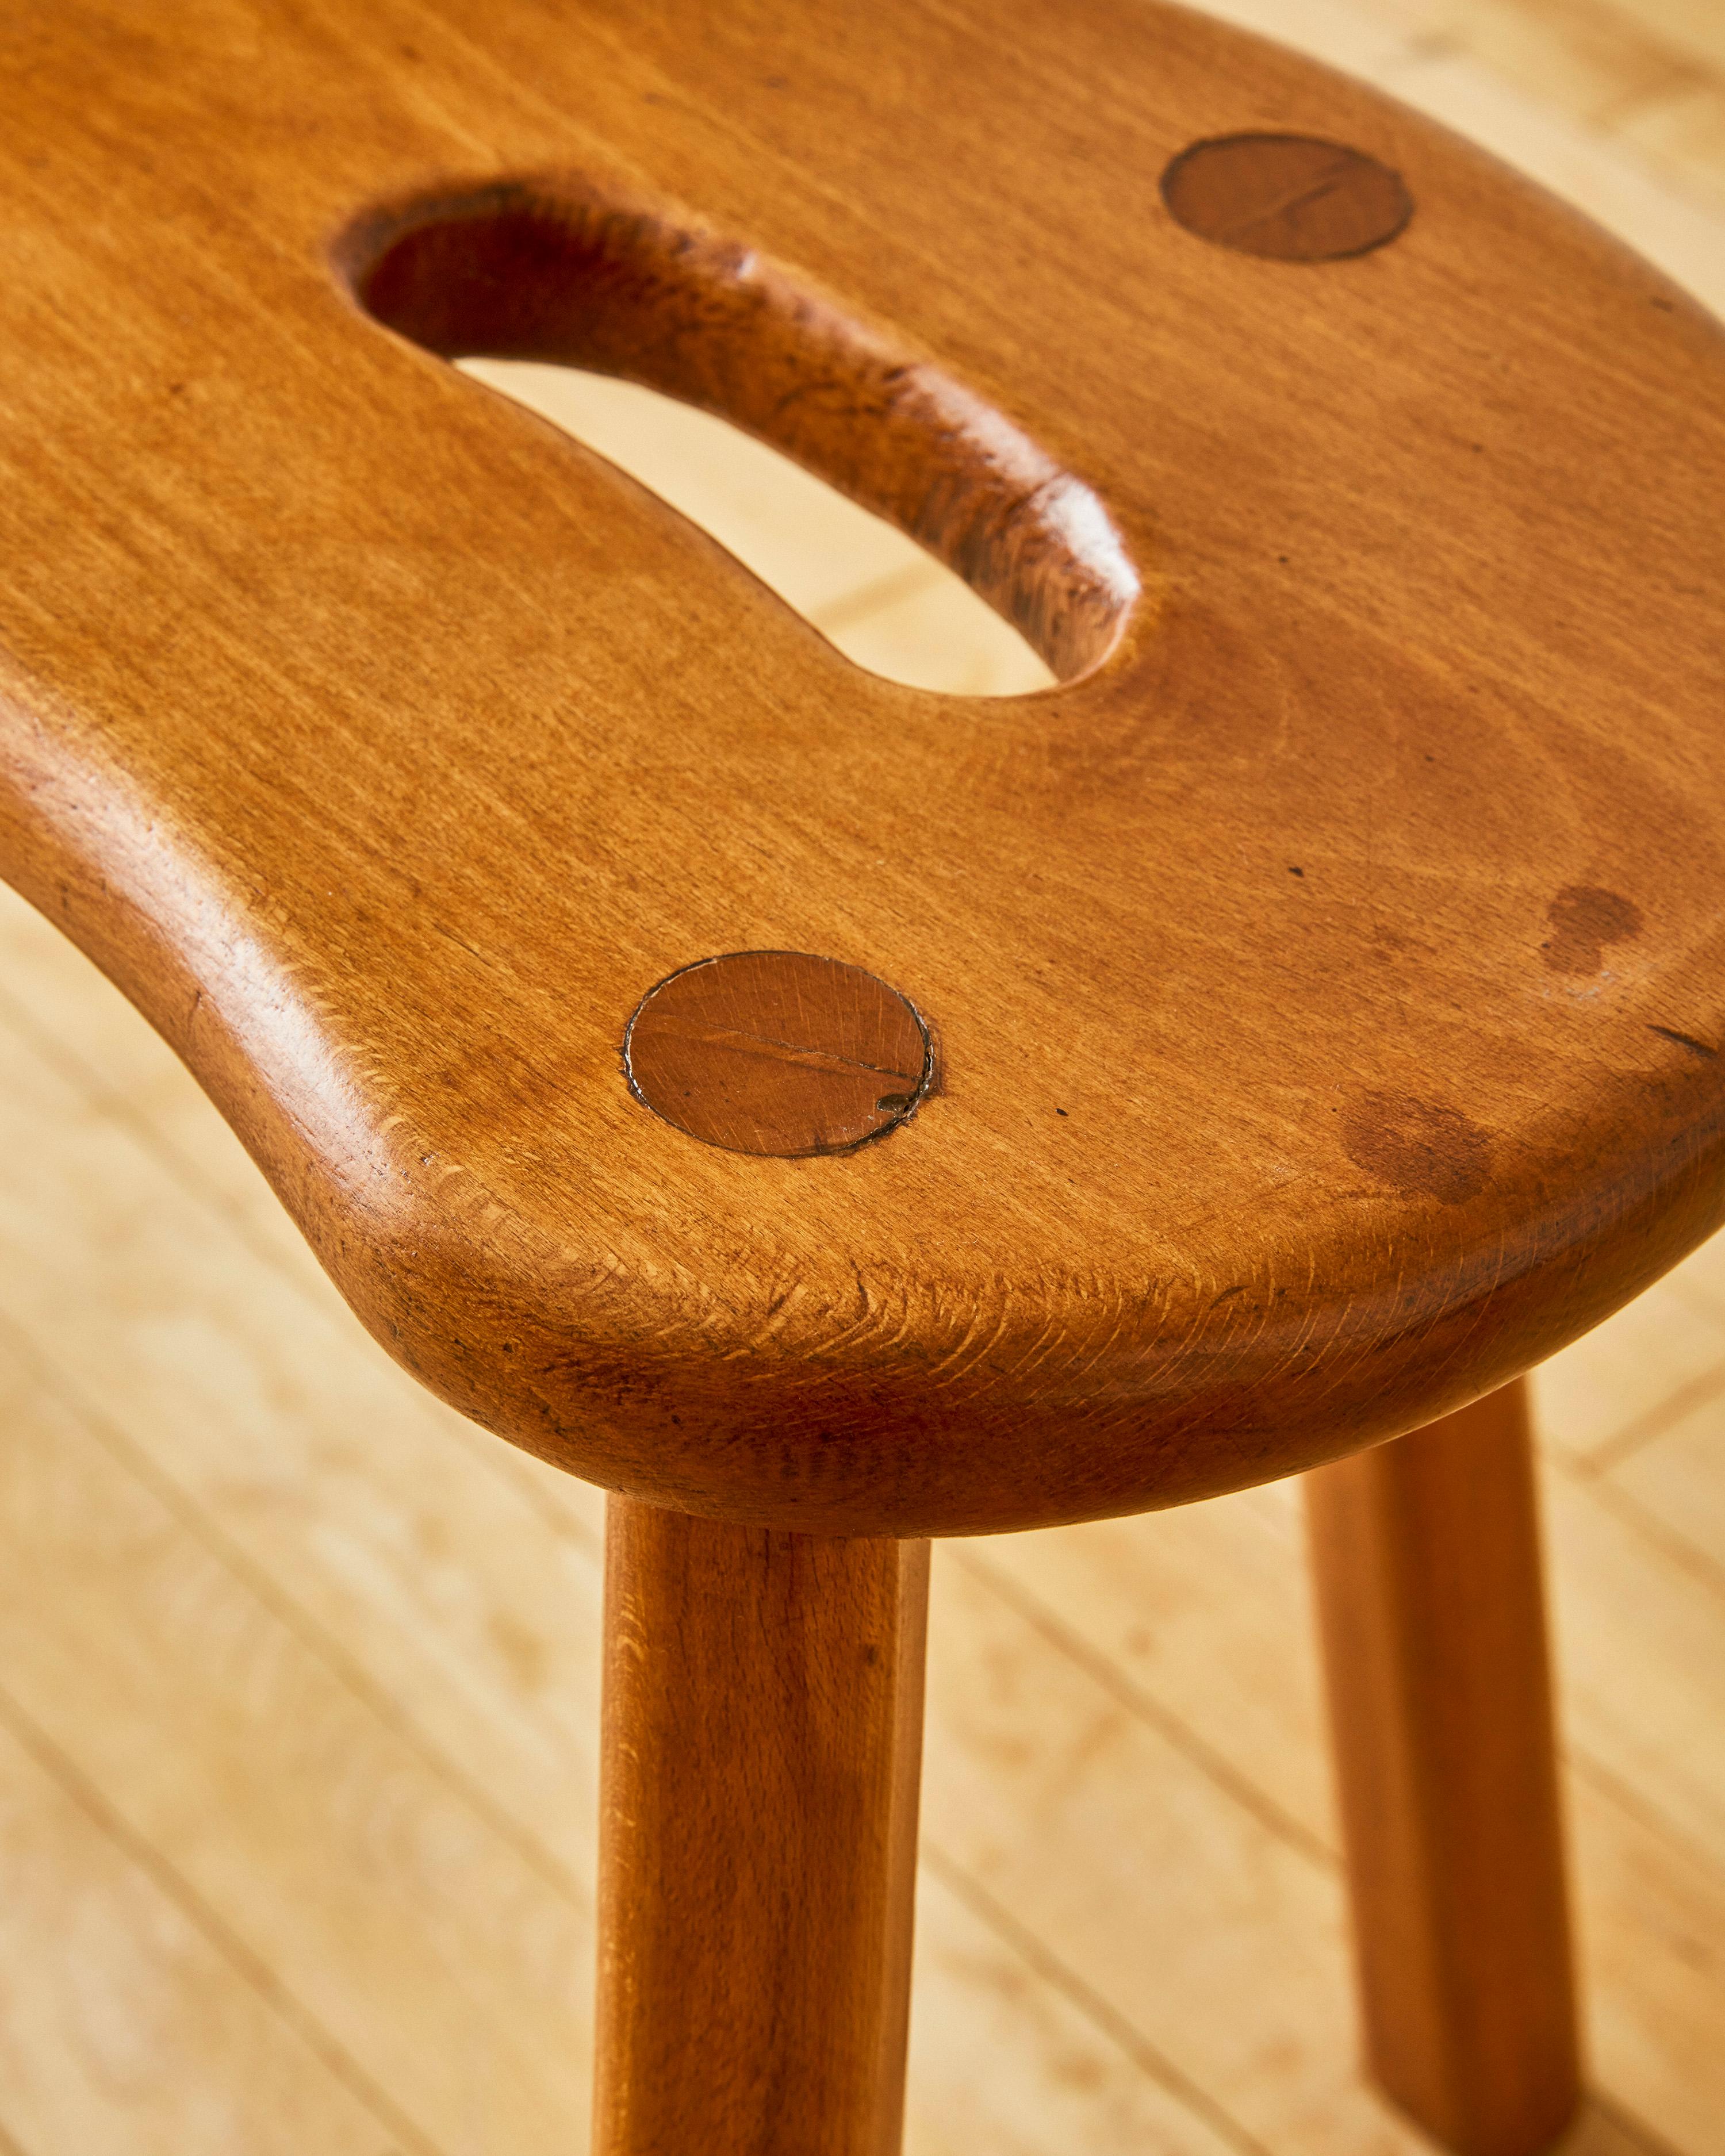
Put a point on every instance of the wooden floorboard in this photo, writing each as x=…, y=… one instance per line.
x=123, y=2024
x=299, y=1673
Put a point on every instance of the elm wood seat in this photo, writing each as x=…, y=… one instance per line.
x=1320, y=991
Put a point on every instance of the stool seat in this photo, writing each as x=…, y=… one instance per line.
x=1303, y=1018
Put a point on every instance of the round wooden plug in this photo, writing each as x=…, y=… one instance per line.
x=1289, y=197
x=777, y=1052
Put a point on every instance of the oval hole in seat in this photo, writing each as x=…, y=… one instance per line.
x=659, y=346
x=887, y=603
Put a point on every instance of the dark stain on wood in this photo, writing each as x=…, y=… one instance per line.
x=1685, y=1041
x=1584, y=920
x=1287, y=197
x=1417, y=1146
x=777, y=1053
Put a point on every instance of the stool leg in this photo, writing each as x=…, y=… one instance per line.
x=758, y=1847
x=1432, y=1611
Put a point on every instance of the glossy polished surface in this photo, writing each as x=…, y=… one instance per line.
x=1287, y=197
x=1328, y=975
x=777, y=1052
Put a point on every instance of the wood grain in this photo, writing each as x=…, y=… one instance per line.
x=385, y=746
x=757, y=1853
x=1426, y=1555
x=1287, y=197
x=777, y=1052
x=327, y=1860
x=123, y=2027
x=1120, y=1713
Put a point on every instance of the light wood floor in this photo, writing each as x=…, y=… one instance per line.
x=298, y=1673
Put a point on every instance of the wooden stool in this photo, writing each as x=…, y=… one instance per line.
x=829, y=1115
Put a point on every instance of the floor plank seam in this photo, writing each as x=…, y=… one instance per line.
x=1683, y=71
x=229, y=1216
x=514, y=1465
x=253, y=1580
x=248, y=1966
x=1642, y=1430
x=1624, y=1506
x=1586, y=1766
x=1215, y=1767
x=106, y=1101
x=850, y=609
x=1105, y=2018
x=1683, y=77
x=1634, y=2128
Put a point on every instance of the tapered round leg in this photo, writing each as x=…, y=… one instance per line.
x=762, y=1743
x=1433, y=1617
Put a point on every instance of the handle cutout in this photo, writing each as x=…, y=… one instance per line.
x=545, y=272
x=885, y=602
